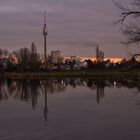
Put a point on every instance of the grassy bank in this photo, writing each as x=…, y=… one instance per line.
x=117, y=74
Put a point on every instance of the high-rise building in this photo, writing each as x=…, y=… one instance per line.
x=56, y=57
x=99, y=54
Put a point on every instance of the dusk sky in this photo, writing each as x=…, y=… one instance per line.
x=75, y=26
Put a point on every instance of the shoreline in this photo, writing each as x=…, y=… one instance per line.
x=110, y=74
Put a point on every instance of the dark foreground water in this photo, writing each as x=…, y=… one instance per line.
x=69, y=109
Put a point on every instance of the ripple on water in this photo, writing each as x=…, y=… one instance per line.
x=23, y=135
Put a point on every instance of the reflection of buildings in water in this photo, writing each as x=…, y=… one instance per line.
x=55, y=85
x=99, y=85
x=100, y=93
x=91, y=84
x=74, y=82
x=29, y=89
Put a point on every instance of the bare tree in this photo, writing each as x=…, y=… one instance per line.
x=130, y=21
x=0, y=52
x=5, y=53
x=22, y=55
x=34, y=56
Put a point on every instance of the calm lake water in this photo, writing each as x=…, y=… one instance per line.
x=69, y=109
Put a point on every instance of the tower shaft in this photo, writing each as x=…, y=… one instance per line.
x=45, y=47
x=45, y=33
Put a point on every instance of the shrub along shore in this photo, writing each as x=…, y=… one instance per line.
x=110, y=74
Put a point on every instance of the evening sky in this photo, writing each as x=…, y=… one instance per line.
x=75, y=26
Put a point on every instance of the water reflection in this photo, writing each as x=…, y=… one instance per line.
x=28, y=90
x=44, y=83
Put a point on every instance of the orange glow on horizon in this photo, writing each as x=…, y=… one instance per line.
x=114, y=60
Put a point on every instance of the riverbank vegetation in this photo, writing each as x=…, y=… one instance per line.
x=28, y=62
x=96, y=74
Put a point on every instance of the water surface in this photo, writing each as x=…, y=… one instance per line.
x=69, y=109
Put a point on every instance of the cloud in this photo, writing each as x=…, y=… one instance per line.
x=69, y=22
x=80, y=44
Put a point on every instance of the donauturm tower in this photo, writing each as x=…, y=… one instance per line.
x=45, y=33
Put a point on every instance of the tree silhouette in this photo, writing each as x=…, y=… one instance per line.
x=130, y=21
x=34, y=57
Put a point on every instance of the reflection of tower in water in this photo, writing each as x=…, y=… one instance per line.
x=51, y=86
x=45, y=108
x=100, y=93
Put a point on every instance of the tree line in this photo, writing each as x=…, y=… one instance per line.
x=22, y=60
